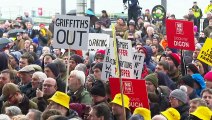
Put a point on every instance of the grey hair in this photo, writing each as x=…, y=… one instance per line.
x=42, y=76
x=37, y=114
x=13, y=111
x=79, y=75
x=4, y=117
x=81, y=67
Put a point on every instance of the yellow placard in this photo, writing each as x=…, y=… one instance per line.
x=205, y=54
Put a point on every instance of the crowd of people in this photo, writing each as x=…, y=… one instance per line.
x=33, y=73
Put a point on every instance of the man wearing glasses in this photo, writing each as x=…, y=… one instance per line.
x=13, y=97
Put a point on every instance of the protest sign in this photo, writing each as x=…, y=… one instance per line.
x=158, y=13
x=71, y=32
x=98, y=41
x=138, y=60
x=135, y=89
x=106, y=68
x=205, y=54
x=125, y=58
x=180, y=34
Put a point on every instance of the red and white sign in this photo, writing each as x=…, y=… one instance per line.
x=135, y=89
x=180, y=34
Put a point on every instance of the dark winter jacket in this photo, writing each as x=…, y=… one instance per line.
x=148, y=59
x=184, y=111
x=166, y=81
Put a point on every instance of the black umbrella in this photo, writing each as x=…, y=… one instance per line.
x=13, y=32
x=4, y=42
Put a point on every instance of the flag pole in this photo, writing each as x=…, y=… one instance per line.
x=118, y=68
x=183, y=65
x=67, y=73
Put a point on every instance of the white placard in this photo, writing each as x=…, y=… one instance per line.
x=71, y=32
x=98, y=41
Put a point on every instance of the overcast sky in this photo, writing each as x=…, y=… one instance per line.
x=16, y=7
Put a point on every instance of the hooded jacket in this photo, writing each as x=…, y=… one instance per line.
x=166, y=81
x=200, y=81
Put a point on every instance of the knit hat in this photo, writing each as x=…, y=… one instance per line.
x=98, y=89
x=35, y=40
x=98, y=65
x=175, y=58
x=187, y=80
x=180, y=94
x=76, y=58
x=78, y=107
x=171, y=114
x=203, y=113
x=9, y=89
x=193, y=68
x=16, y=55
x=199, y=79
x=152, y=78
x=143, y=112
x=53, y=67
x=145, y=51
x=208, y=76
x=100, y=54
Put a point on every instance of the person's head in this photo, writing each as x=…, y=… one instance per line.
x=151, y=82
x=150, y=30
x=121, y=21
x=81, y=67
x=192, y=69
x=98, y=92
x=74, y=60
x=57, y=117
x=26, y=59
x=143, y=112
x=207, y=96
x=171, y=114
x=178, y=97
x=51, y=70
x=148, y=41
x=4, y=117
x=59, y=101
x=196, y=102
x=90, y=79
x=5, y=77
x=208, y=79
x=27, y=44
x=50, y=112
x=49, y=86
x=48, y=58
x=46, y=50
x=19, y=36
x=131, y=25
x=188, y=81
x=32, y=48
x=99, y=56
x=25, y=74
x=116, y=104
x=155, y=40
x=104, y=13
x=62, y=67
x=174, y=60
x=12, y=111
x=162, y=66
x=210, y=22
x=97, y=69
x=195, y=3
x=99, y=112
x=11, y=93
x=159, y=117
x=37, y=79
x=57, y=51
x=202, y=113
x=76, y=80
x=154, y=49
x=196, y=53
x=33, y=114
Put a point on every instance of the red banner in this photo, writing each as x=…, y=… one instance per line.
x=180, y=34
x=135, y=89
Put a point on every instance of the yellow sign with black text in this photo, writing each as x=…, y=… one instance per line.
x=205, y=54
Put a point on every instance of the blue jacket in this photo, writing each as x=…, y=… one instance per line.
x=200, y=80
